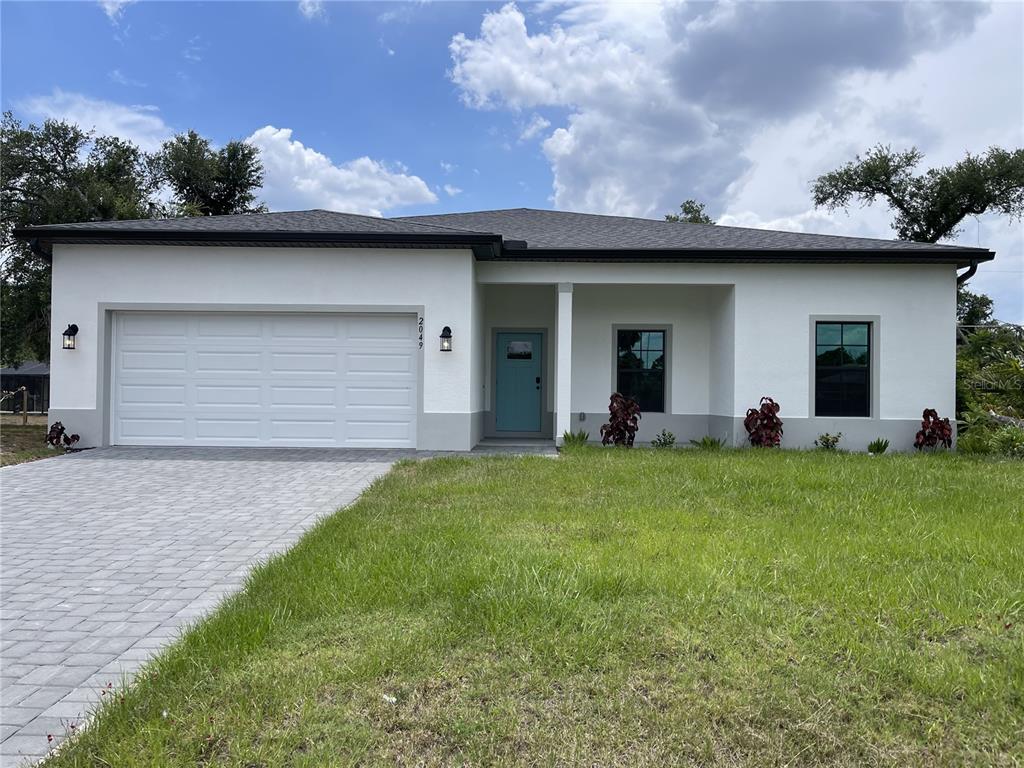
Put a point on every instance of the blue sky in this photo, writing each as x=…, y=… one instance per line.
x=395, y=108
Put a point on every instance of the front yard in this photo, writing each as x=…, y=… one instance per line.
x=615, y=607
x=20, y=443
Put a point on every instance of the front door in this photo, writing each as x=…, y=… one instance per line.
x=518, y=389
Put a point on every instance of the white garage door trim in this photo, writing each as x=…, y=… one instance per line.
x=264, y=379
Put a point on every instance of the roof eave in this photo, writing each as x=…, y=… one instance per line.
x=964, y=257
x=483, y=245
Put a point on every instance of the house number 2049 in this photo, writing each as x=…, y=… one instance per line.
x=419, y=326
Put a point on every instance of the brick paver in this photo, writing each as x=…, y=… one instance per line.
x=107, y=554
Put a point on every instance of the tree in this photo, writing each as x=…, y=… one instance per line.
x=691, y=212
x=972, y=308
x=209, y=182
x=50, y=174
x=58, y=173
x=928, y=207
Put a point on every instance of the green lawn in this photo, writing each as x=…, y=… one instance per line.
x=614, y=607
x=20, y=443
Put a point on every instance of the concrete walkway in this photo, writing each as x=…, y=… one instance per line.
x=106, y=555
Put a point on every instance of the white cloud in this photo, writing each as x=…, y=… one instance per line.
x=741, y=105
x=194, y=50
x=448, y=167
x=534, y=127
x=140, y=124
x=297, y=177
x=117, y=76
x=114, y=8
x=312, y=9
x=451, y=190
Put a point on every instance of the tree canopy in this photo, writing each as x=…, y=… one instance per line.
x=208, y=181
x=57, y=172
x=928, y=206
x=690, y=212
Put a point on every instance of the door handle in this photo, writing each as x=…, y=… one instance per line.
x=537, y=380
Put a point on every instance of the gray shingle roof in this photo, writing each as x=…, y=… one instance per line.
x=515, y=234
x=562, y=229
x=286, y=221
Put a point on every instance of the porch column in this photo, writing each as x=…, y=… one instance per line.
x=563, y=362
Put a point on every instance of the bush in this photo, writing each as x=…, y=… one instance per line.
x=934, y=431
x=828, y=442
x=664, y=439
x=572, y=439
x=878, y=445
x=1009, y=439
x=58, y=437
x=623, y=421
x=708, y=443
x=763, y=425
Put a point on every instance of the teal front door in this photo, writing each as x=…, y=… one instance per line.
x=518, y=389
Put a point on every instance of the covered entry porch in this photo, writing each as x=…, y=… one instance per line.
x=554, y=353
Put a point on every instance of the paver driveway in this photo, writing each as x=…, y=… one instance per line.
x=105, y=555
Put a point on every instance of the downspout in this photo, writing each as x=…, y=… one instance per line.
x=961, y=279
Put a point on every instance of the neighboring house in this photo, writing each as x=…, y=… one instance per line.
x=35, y=378
x=316, y=328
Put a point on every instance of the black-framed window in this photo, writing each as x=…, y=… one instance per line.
x=640, y=367
x=842, y=369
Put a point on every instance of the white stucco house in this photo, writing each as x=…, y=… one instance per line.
x=317, y=328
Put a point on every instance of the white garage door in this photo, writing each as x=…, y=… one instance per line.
x=184, y=378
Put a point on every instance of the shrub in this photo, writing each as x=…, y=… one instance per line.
x=708, y=443
x=934, y=431
x=58, y=437
x=664, y=439
x=878, y=445
x=763, y=424
x=828, y=442
x=572, y=439
x=623, y=421
x=1008, y=439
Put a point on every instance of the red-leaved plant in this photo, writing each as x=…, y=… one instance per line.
x=763, y=425
x=623, y=418
x=934, y=431
x=58, y=436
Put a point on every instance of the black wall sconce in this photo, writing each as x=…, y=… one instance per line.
x=446, y=339
x=69, y=336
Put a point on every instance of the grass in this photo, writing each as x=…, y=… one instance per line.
x=19, y=444
x=615, y=607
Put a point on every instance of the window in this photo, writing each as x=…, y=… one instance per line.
x=842, y=375
x=640, y=368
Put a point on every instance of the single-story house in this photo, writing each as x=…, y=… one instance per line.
x=317, y=328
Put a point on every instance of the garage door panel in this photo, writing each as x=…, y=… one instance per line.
x=365, y=363
x=226, y=395
x=318, y=430
x=311, y=396
x=380, y=396
x=221, y=361
x=164, y=361
x=293, y=363
x=265, y=379
x=152, y=428
x=159, y=395
x=304, y=328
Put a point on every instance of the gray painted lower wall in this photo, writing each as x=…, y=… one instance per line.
x=796, y=432
x=448, y=431
x=802, y=432
x=685, y=426
x=85, y=422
